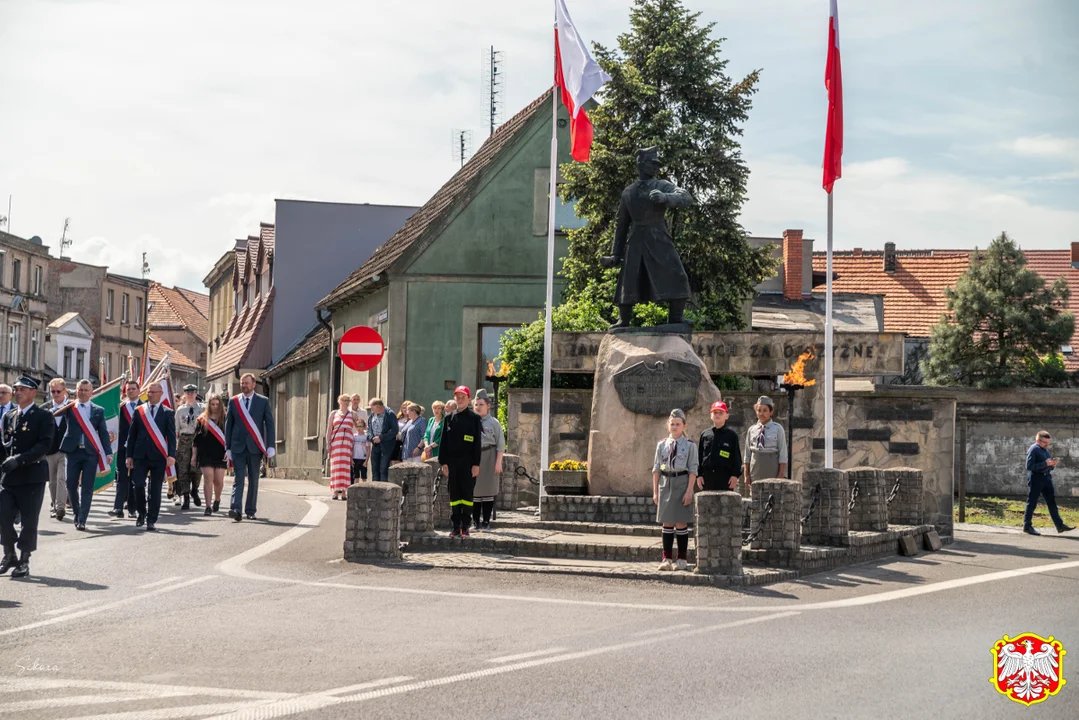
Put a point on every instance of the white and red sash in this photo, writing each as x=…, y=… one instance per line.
x=217, y=432
x=245, y=415
x=127, y=412
x=91, y=435
x=157, y=436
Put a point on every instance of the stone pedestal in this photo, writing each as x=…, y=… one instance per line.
x=652, y=374
x=780, y=536
x=830, y=521
x=908, y=506
x=373, y=522
x=870, y=511
x=440, y=510
x=718, y=526
x=416, y=481
x=507, y=484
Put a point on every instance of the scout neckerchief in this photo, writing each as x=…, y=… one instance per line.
x=102, y=464
x=245, y=415
x=157, y=436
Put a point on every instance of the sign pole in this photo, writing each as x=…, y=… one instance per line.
x=828, y=370
x=548, y=328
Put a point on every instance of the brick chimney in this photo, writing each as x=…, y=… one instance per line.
x=792, y=264
x=1075, y=255
x=889, y=258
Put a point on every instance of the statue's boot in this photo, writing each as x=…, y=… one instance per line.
x=674, y=312
x=625, y=317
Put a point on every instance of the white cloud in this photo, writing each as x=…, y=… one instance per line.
x=1048, y=146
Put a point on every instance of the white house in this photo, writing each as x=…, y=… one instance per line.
x=67, y=346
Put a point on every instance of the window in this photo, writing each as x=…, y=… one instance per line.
x=138, y=312
x=313, y=419
x=282, y=416
x=247, y=294
x=565, y=212
x=238, y=306
x=39, y=288
x=123, y=308
x=81, y=370
x=490, y=346
x=108, y=366
x=16, y=274
x=258, y=285
x=110, y=303
x=35, y=348
x=13, y=344
x=67, y=364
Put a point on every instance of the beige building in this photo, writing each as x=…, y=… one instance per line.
x=24, y=310
x=222, y=302
x=299, y=386
x=178, y=320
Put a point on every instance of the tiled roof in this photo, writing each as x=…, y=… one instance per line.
x=156, y=347
x=438, y=207
x=201, y=301
x=250, y=250
x=1051, y=264
x=171, y=307
x=240, y=335
x=314, y=344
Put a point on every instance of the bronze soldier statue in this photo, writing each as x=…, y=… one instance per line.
x=651, y=270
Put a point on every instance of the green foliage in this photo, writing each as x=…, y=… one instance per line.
x=569, y=465
x=1047, y=371
x=523, y=348
x=1001, y=321
x=732, y=383
x=669, y=88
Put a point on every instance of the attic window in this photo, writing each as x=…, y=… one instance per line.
x=1066, y=349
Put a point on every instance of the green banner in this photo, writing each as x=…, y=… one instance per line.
x=109, y=399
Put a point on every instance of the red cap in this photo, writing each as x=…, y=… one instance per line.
x=463, y=389
x=719, y=405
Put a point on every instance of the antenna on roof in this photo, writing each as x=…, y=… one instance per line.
x=65, y=242
x=494, y=79
x=461, y=145
x=145, y=267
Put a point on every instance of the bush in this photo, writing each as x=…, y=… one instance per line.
x=569, y=465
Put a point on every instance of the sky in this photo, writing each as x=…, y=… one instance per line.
x=170, y=128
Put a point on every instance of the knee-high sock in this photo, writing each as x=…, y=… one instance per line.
x=488, y=506
x=668, y=542
x=682, y=536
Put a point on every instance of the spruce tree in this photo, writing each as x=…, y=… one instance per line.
x=1001, y=322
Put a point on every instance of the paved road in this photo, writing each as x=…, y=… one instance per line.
x=208, y=618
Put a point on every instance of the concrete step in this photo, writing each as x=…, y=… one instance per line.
x=519, y=519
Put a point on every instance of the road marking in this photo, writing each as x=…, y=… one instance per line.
x=69, y=608
x=660, y=631
x=75, y=700
x=211, y=709
x=525, y=656
x=235, y=566
x=166, y=581
x=106, y=606
x=367, y=685
x=316, y=701
x=23, y=683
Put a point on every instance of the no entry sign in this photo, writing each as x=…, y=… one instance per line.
x=361, y=348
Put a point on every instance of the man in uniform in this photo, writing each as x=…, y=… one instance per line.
x=26, y=437
x=187, y=477
x=125, y=490
x=56, y=460
x=720, y=456
x=766, y=445
x=459, y=456
x=151, y=447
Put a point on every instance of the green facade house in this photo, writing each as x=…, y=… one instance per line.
x=465, y=268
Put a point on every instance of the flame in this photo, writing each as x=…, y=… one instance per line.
x=503, y=369
x=796, y=375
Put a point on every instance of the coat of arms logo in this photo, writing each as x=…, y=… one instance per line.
x=1028, y=668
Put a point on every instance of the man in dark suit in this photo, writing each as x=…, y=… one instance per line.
x=26, y=437
x=151, y=448
x=382, y=428
x=1040, y=464
x=57, y=460
x=125, y=489
x=86, y=444
x=249, y=435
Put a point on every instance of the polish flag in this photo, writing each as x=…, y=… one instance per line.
x=833, y=81
x=579, y=76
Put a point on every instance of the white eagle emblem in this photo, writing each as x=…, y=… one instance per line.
x=1028, y=673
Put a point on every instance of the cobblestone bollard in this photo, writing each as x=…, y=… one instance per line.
x=829, y=522
x=373, y=522
x=440, y=511
x=870, y=511
x=908, y=506
x=416, y=481
x=780, y=535
x=717, y=523
x=508, y=490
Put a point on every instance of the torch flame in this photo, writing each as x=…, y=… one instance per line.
x=796, y=375
x=503, y=369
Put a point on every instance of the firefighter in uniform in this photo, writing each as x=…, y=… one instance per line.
x=459, y=456
x=26, y=434
x=720, y=453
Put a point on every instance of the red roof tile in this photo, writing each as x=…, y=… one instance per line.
x=157, y=348
x=240, y=335
x=172, y=307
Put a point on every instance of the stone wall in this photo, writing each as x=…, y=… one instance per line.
x=416, y=481
x=570, y=415
x=592, y=508
x=717, y=522
x=373, y=522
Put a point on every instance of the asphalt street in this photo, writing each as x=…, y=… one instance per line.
x=210, y=618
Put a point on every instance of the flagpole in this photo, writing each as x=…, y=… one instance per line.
x=548, y=328
x=829, y=381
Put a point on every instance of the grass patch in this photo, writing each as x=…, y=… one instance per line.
x=1009, y=511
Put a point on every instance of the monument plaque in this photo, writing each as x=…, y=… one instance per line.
x=656, y=388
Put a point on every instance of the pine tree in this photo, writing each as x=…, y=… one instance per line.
x=669, y=88
x=1001, y=321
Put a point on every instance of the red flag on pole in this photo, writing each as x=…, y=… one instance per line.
x=833, y=81
x=579, y=76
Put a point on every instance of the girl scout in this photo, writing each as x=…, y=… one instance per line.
x=674, y=473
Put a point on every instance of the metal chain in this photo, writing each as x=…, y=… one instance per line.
x=522, y=472
x=853, y=496
x=894, y=492
x=437, y=482
x=747, y=539
x=812, y=503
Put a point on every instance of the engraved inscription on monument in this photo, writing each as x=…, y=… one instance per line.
x=656, y=388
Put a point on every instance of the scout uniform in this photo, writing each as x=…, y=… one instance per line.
x=493, y=442
x=766, y=447
x=187, y=477
x=676, y=462
x=720, y=454
x=460, y=452
x=25, y=438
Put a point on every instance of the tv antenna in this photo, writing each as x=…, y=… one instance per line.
x=65, y=242
x=494, y=80
x=145, y=267
x=461, y=145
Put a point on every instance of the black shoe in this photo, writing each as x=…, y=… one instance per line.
x=169, y=496
x=196, y=499
x=485, y=526
x=237, y=517
x=115, y=513
x=22, y=569
x=1064, y=528
x=52, y=513
x=141, y=521
x=60, y=516
x=464, y=532
x=217, y=505
x=131, y=514
x=1029, y=530
x=187, y=503
x=251, y=516
x=207, y=511
x=7, y=563
x=80, y=526
x=150, y=527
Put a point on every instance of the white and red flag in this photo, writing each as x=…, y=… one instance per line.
x=579, y=76
x=833, y=81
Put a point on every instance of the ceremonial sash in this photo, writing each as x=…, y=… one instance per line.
x=216, y=431
x=157, y=436
x=102, y=463
x=127, y=412
x=238, y=401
